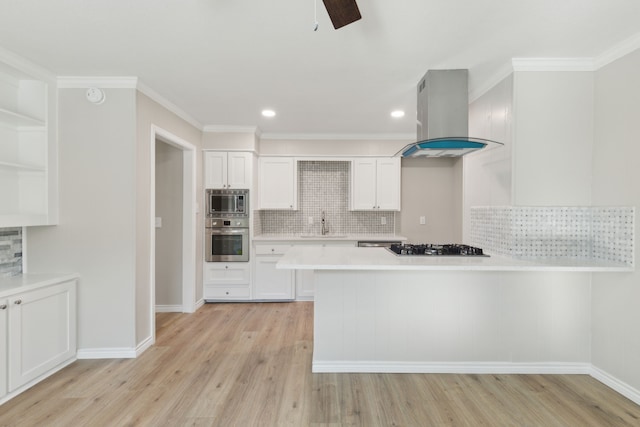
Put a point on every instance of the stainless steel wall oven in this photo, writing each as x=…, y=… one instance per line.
x=227, y=226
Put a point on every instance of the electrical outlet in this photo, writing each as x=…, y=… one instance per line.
x=383, y=220
x=310, y=220
x=423, y=220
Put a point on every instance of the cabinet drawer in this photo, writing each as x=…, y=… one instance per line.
x=276, y=249
x=226, y=273
x=226, y=292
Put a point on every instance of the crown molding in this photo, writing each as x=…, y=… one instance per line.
x=231, y=129
x=155, y=96
x=489, y=83
x=618, y=51
x=337, y=136
x=553, y=64
x=103, y=82
x=25, y=66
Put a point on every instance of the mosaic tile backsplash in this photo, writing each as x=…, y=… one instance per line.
x=10, y=251
x=323, y=186
x=600, y=233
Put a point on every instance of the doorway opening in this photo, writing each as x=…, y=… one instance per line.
x=173, y=224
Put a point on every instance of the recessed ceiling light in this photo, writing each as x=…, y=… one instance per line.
x=397, y=114
x=268, y=113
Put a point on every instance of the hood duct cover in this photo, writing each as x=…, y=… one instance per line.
x=443, y=117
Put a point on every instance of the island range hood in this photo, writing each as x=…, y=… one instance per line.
x=443, y=117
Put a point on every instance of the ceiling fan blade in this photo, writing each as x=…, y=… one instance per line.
x=342, y=12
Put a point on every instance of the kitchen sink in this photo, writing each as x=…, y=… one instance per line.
x=326, y=236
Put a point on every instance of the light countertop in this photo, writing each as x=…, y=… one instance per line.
x=354, y=258
x=26, y=282
x=330, y=237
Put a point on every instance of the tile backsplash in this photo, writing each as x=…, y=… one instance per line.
x=600, y=233
x=323, y=186
x=10, y=251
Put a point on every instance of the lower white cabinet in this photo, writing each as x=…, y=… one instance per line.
x=269, y=282
x=227, y=281
x=37, y=333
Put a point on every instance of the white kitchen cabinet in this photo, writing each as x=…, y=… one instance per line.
x=375, y=184
x=37, y=331
x=277, y=184
x=227, y=170
x=269, y=282
x=28, y=148
x=227, y=281
x=4, y=349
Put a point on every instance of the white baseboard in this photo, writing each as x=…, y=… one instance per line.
x=107, y=353
x=169, y=308
x=612, y=382
x=451, y=368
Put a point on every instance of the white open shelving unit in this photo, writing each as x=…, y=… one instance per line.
x=28, y=148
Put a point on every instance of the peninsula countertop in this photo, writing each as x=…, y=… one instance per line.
x=355, y=258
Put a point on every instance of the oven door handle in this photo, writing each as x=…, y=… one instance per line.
x=228, y=230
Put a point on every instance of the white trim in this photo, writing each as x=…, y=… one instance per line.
x=155, y=96
x=189, y=203
x=231, y=129
x=107, y=353
x=553, y=64
x=450, y=368
x=618, y=51
x=168, y=308
x=25, y=66
x=337, y=136
x=490, y=83
x=621, y=387
x=103, y=82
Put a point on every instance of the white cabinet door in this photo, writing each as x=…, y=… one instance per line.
x=277, y=183
x=215, y=169
x=375, y=184
x=239, y=170
x=3, y=346
x=363, y=184
x=223, y=170
x=42, y=331
x=271, y=283
x=388, y=184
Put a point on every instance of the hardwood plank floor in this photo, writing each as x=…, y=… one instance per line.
x=249, y=364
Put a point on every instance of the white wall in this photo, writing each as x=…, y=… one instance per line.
x=430, y=188
x=553, y=138
x=168, y=274
x=616, y=177
x=96, y=233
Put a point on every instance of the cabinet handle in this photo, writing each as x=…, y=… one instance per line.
x=18, y=302
x=226, y=266
x=227, y=292
x=3, y=307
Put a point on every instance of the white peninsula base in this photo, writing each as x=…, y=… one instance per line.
x=451, y=321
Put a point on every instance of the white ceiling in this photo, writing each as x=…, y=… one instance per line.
x=223, y=61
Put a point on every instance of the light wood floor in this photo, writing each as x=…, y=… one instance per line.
x=250, y=365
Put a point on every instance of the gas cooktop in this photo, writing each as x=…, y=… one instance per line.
x=431, y=249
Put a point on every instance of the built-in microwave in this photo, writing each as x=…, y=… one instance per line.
x=227, y=203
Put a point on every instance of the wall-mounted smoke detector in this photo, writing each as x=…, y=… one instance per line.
x=95, y=95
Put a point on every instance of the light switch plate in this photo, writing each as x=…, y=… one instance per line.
x=423, y=220
x=158, y=222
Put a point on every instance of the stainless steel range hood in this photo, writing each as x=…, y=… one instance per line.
x=443, y=117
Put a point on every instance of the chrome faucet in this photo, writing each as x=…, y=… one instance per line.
x=325, y=229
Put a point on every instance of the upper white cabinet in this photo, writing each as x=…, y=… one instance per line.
x=227, y=169
x=375, y=184
x=277, y=183
x=28, y=148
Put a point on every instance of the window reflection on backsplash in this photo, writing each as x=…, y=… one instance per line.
x=10, y=251
x=323, y=186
